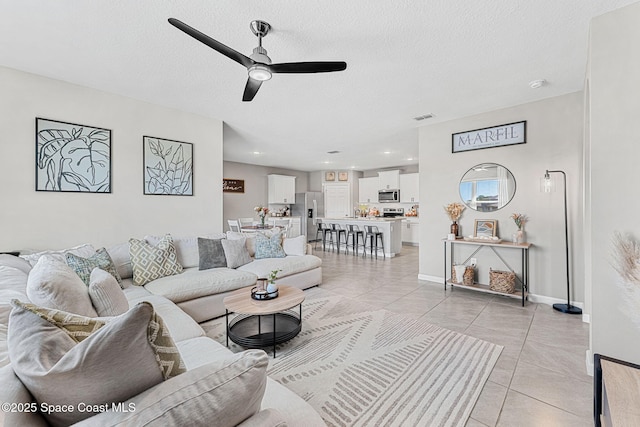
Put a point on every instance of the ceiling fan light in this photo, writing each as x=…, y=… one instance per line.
x=259, y=72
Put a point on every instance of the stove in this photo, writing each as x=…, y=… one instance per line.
x=392, y=212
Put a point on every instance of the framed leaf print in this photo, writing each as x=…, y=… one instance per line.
x=168, y=167
x=72, y=157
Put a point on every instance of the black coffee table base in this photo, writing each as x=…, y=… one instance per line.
x=258, y=331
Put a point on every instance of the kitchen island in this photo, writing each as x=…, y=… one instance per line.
x=391, y=229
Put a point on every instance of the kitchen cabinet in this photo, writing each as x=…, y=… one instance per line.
x=411, y=231
x=282, y=189
x=368, y=190
x=389, y=180
x=409, y=185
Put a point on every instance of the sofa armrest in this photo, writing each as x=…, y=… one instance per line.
x=14, y=392
x=309, y=249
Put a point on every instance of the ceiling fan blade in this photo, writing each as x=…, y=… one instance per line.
x=308, y=67
x=251, y=89
x=214, y=44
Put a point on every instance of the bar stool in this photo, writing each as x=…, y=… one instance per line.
x=320, y=235
x=372, y=235
x=338, y=231
x=355, y=233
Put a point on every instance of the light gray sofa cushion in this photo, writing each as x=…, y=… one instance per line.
x=288, y=266
x=13, y=391
x=85, y=250
x=236, y=252
x=223, y=393
x=15, y=262
x=53, y=284
x=192, y=283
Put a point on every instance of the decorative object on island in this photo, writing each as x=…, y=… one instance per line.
x=72, y=157
x=232, y=185
x=520, y=220
x=485, y=228
x=454, y=211
x=496, y=136
x=626, y=262
x=262, y=214
x=168, y=167
x=502, y=281
x=548, y=187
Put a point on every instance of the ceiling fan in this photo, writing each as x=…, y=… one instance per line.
x=258, y=64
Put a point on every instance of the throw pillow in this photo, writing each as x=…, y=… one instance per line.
x=63, y=368
x=84, y=266
x=211, y=254
x=224, y=393
x=236, y=252
x=295, y=245
x=250, y=238
x=15, y=262
x=153, y=262
x=186, y=247
x=106, y=295
x=121, y=259
x=269, y=247
x=52, y=283
x=85, y=250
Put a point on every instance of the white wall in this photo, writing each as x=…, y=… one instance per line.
x=554, y=141
x=613, y=203
x=39, y=220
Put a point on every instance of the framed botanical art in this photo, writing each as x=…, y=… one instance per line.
x=329, y=176
x=72, y=157
x=168, y=167
x=485, y=228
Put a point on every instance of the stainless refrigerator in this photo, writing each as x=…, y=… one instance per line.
x=309, y=207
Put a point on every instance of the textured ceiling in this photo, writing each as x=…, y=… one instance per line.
x=405, y=59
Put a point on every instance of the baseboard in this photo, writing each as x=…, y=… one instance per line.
x=551, y=300
x=586, y=318
x=589, y=362
x=430, y=278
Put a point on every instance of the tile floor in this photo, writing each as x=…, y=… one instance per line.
x=540, y=378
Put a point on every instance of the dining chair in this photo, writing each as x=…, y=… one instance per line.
x=244, y=222
x=285, y=224
x=234, y=225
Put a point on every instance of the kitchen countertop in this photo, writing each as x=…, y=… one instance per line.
x=398, y=218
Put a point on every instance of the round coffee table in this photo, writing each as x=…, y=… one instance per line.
x=263, y=323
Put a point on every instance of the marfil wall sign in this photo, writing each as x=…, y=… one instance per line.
x=497, y=136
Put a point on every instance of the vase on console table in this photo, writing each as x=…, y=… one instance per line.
x=518, y=237
x=454, y=228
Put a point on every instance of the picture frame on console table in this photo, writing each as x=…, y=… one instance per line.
x=71, y=157
x=168, y=167
x=483, y=228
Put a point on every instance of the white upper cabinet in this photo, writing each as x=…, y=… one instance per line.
x=389, y=180
x=368, y=190
x=409, y=188
x=282, y=189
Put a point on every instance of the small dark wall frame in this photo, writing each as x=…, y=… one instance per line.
x=232, y=185
x=168, y=167
x=491, y=137
x=72, y=158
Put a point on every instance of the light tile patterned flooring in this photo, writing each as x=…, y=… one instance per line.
x=540, y=378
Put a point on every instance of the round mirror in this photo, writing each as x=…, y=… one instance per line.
x=487, y=187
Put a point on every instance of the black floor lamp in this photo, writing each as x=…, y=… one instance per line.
x=547, y=186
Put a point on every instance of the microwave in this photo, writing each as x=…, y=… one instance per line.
x=388, y=196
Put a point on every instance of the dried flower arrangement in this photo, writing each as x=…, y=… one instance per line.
x=519, y=219
x=626, y=262
x=454, y=210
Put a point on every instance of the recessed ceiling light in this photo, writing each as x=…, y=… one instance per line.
x=423, y=117
x=353, y=167
x=387, y=152
x=326, y=162
x=410, y=159
x=535, y=84
x=257, y=152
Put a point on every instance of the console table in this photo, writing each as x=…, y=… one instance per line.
x=524, y=250
x=616, y=392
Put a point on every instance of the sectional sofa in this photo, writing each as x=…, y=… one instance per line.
x=218, y=387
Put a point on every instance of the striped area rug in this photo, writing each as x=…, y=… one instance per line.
x=358, y=365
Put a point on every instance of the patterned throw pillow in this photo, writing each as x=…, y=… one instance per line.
x=84, y=266
x=153, y=262
x=75, y=360
x=269, y=247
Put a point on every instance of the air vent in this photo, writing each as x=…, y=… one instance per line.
x=426, y=116
x=333, y=152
